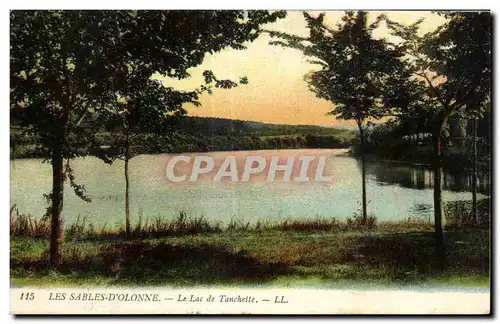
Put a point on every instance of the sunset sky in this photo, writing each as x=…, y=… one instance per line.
x=276, y=92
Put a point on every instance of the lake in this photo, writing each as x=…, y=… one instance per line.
x=394, y=191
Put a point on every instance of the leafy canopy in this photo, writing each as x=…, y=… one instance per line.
x=450, y=67
x=359, y=74
x=68, y=68
x=69, y=65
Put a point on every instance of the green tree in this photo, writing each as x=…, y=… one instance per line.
x=144, y=107
x=451, y=73
x=359, y=74
x=463, y=44
x=66, y=66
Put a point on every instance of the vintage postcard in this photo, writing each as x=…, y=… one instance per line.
x=250, y=162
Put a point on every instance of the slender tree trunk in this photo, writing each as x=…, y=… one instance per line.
x=57, y=204
x=127, y=193
x=363, y=174
x=438, y=202
x=474, y=173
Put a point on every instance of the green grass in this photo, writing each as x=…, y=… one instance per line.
x=315, y=257
x=31, y=226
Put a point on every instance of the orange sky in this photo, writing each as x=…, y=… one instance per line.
x=276, y=92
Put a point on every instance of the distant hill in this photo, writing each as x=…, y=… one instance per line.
x=224, y=126
x=206, y=134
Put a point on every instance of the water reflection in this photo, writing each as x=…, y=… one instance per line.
x=394, y=191
x=420, y=177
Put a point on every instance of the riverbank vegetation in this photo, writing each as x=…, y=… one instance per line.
x=311, y=252
x=84, y=86
x=192, y=250
x=419, y=81
x=458, y=217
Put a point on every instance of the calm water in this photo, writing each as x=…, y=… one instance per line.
x=394, y=192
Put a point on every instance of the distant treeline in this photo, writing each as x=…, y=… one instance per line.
x=384, y=141
x=396, y=142
x=224, y=126
x=203, y=134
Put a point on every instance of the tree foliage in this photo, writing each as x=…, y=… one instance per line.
x=66, y=65
x=451, y=71
x=362, y=76
x=358, y=73
x=69, y=65
x=451, y=66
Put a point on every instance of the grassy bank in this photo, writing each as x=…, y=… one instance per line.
x=317, y=252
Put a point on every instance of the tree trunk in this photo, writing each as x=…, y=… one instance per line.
x=363, y=174
x=127, y=199
x=474, y=173
x=57, y=204
x=438, y=202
